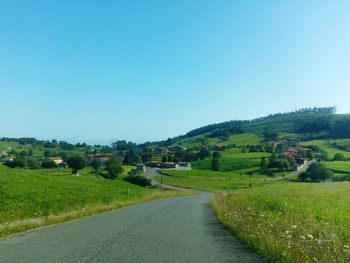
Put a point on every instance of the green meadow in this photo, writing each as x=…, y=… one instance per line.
x=236, y=139
x=33, y=198
x=328, y=147
x=293, y=222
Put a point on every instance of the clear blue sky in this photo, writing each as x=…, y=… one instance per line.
x=95, y=71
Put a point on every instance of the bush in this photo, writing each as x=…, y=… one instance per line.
x=33, y=164
x=47, y=163
x=114, y=167
x=317, y=172
x=215, y=165
x=21, y=163
x=138, y=180
x=339, y=157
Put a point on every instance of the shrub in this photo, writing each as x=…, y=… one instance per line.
x=114, y=167
x=138, y=180
x=215, y=165
x=47, y=163
x=339, y=157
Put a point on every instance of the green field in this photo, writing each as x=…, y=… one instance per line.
x=237, y=139
x=37, y=151
x=32, y=198
x=213, y=184
x=342, y=167
x=293, y=222
x=207, y=173
x=227, y=164
x=326, y=145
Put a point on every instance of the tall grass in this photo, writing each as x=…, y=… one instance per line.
x=35, y=198
x=293, y=223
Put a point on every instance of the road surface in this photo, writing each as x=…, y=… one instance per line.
x=179, y=229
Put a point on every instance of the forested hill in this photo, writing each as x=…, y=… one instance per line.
x=318, y=122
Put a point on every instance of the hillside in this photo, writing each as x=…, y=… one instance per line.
x=304, y=124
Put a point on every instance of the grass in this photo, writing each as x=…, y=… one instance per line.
x=37, y=151
x=205, y=173
x=227, y=164
x=326, y=145
x=237, y=139
x=30, y=199
x=293, y=222
x=339, y=166
x=236, y=154
x=213, y=184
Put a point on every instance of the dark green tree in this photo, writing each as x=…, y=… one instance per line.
x=76, y=163
x=215, y=165
x=339, y=157
x=95, y=164
x=47, y=164
x=114, y=168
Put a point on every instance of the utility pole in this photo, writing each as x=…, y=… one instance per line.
x=161, y=173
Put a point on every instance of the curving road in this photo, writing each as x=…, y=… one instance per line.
x=179, y=229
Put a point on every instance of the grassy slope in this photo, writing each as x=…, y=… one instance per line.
x=233, y=160
x=294, y=223
x=343, y=167
x=37, y=151
x=237, y=139
x=326, y=145
x=30, y=199
x=214, y=184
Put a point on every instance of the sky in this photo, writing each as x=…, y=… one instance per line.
x=100, y=71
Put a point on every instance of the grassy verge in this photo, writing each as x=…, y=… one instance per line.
x=30, y=199
x=293, y=223
x=212, y=184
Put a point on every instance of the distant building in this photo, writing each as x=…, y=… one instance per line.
x=201, y=147
x=56, y=160
x=141, y=167
x=170, y=165
x=219, y=147
x=102, y=157
x=153, y=164
x=8, y=159
x=177, y=148
x=161, y=150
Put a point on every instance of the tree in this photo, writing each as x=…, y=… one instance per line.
x=47, y=163
x=33, y=164
x=310, y=155
x=95, y=164
x=21, y=163
x=132, y=157
x=216, y=155
x=215, y=165
x=339, y=157
x=30, y=152
x=303, y=176
x=318, y=172
x=263, y=163
x=203, y=153
x=114, y=168
x=76, y=163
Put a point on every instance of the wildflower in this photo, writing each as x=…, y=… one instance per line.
x=303, y=237
x=294, y=226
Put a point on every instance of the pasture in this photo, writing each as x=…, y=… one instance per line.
x=293, y=222
x=33, y=198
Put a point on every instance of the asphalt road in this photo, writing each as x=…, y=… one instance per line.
x=180, y=229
